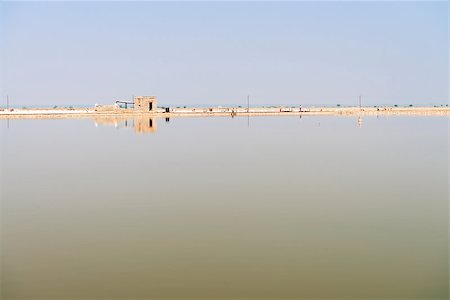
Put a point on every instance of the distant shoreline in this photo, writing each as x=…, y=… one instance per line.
x=26, y=113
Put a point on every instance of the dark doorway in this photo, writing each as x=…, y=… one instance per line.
x=150, y=106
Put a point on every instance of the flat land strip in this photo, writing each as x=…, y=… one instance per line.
x=220, y=111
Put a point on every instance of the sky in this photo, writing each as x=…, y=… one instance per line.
x=217, y=53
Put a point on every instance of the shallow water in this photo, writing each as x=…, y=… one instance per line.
x=196, y=208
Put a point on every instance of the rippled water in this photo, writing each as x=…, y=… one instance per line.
x=222, y=208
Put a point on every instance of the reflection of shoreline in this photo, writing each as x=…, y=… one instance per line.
x=140, y=124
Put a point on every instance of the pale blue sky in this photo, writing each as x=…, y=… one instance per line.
x=216, y=53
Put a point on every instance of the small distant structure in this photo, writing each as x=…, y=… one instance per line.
x=145, y=103
x=140, y=103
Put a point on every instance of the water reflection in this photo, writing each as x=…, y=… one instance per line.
x=144, y=124
x=140, y=124
x=212, y=209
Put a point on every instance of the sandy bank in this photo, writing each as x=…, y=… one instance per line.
x=209, y=112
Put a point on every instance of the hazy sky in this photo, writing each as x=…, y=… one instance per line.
x=218, y=53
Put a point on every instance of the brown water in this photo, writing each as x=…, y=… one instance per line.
x=221, y=208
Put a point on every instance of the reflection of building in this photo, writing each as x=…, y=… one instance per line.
x=144, y=125
x=359, y=121
x=145, y=103
x=140, y=124
x=109, y=121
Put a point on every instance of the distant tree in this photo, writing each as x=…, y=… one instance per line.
x=56, y=106
x=395, y=105
x=338, y=105
x=410, y=105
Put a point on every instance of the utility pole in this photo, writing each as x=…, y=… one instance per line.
x=248, y=103
x=359, y=115
x=7, y=107
x=248, y=111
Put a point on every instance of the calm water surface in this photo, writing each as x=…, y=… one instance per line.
x=221, y=208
